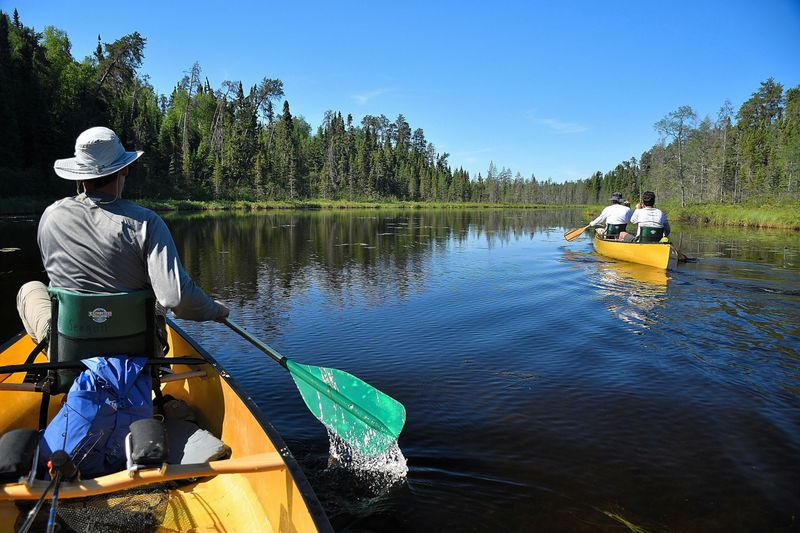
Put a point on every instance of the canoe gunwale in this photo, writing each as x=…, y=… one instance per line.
x=313, y=504
x=13, y=340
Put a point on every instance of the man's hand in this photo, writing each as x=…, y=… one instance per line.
x=225, y=311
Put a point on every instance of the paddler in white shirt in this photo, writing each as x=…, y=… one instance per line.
x=616, y=217
x=653, y=223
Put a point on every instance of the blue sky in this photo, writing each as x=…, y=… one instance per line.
x=555, y=89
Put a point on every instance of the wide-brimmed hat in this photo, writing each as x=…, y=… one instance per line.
x=98, y=153
x=616, y=197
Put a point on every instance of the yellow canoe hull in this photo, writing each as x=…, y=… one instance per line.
x=278, y=498
x=652, y=254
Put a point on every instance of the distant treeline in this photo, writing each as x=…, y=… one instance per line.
x=226, y=142
x=753, y=154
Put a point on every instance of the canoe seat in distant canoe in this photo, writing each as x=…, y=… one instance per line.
x=650, y=234
x=613, y=230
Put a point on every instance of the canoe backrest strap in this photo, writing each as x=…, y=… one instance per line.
x=650, y=234
x=90, y=324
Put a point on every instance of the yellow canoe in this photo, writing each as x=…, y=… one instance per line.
x=259, y=488
x=653, y=254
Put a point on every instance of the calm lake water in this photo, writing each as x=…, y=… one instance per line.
x=546, y=387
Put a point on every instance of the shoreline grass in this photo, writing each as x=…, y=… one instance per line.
x=752, y=216
x=762, y=215
x=320, y=204
x=31, y=206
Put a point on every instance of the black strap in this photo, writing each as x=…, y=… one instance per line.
x=154, y=337
x=150, y=324
x=37, y=349
x=153, y=361
x=29, y=378
x=43, y=410
x=44, y=407
x=53, y=352
x=161, y=331
x=159, y=396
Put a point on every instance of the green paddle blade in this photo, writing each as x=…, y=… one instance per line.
x=364, y=417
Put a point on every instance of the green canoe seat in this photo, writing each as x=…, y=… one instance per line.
x=650, y=234
x=613, y=230
x=99, y=324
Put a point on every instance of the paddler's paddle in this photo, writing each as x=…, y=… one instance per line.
x=681, y=257
x=573, y=234
x=364, y=417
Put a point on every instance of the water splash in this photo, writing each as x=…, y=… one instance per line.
x=377, y=474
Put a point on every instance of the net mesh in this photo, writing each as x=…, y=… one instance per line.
x=133, y=511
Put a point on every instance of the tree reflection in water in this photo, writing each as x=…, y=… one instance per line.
x=270, y=258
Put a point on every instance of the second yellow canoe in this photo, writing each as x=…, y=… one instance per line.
x=653, y=254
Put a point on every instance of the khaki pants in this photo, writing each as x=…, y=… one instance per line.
x=33, y=305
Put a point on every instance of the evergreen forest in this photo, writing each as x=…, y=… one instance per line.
x=218, y=139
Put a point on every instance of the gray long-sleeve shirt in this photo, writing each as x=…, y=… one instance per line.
x=118, y=246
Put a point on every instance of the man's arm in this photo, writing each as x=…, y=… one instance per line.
x=173, y=287
x=600, y=219
x=665, y=223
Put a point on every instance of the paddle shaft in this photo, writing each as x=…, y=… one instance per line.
x=125, y=480
x=574, y=233
x=310, y=379
x=298, y=372
x=681, y=257
x=260, y=345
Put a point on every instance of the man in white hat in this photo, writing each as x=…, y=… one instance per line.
x=616, y=217
x=98, y=242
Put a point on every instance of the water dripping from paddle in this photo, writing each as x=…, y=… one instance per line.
x=374, y=475
x=352, y=486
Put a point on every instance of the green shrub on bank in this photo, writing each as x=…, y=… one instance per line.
x=743, y=215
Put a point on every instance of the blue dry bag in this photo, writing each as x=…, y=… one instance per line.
x=102, y=403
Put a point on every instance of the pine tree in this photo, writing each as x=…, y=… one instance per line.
x=288, y=155
x=790, y=142
x=98, y=52
x=758, y=120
